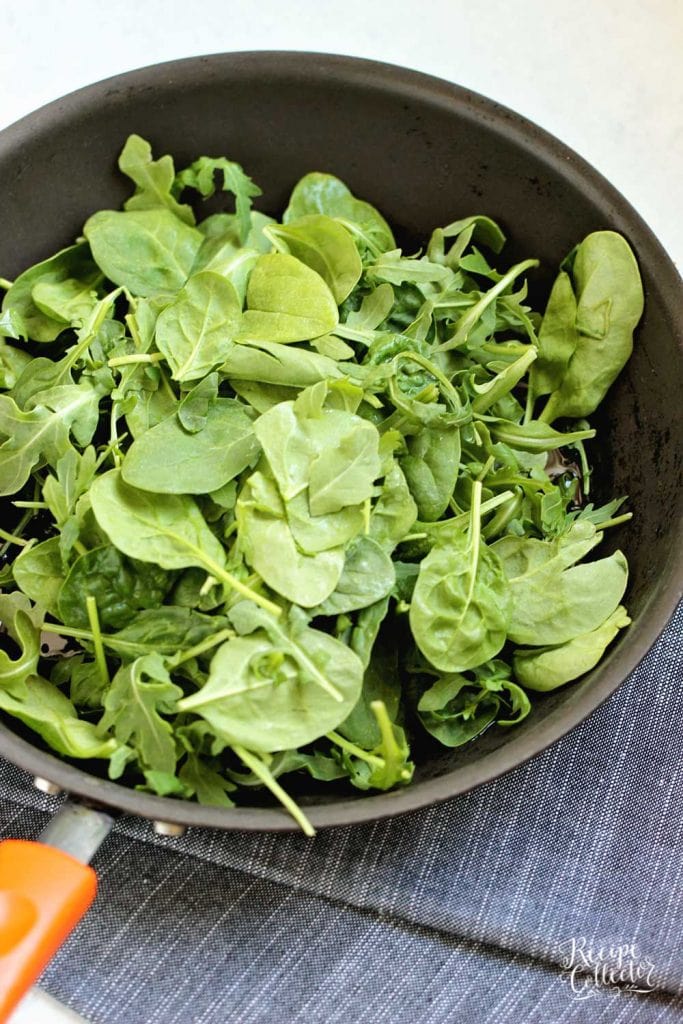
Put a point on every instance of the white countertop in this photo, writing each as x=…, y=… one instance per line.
x=606, y=76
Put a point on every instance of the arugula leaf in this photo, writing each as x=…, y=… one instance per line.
x=42, y=435
x=201, y=175
x=154, y=179
x=139, y=693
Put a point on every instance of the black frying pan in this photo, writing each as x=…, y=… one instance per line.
x=425, y=152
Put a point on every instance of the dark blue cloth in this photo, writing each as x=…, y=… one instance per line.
x=544, y=896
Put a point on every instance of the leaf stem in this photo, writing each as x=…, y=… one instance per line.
x=12, y=539
x=61, y=630
x=616, y=521
x=389, y=744
x=137, y=357
x=354, y=750
x=231, y=581
x=463, y=518
x=100, y=657
x=256, y=765
x=5, y=284
x=201, y=648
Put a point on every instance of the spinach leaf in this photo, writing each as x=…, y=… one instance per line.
x=286, y=302
x=193, y=408
x=120, y=587
x=279, y=686
x=395, y=510
x=169, y=531
x=344, y=475
x=333, y=453
x=324, y=246
x=367, y=577
x=609, y=304
x=166, y=459
x=269, y=547
x=73, y=264
x=270, y=363
x=455, y=712
x=546, y=668
x=551, y=606
x=39, y=572
x=169, y=630
x=460, y=610
x=431, y=467
x=558, y=338
x=145, y=251
x=323, y=193
x=195, y=333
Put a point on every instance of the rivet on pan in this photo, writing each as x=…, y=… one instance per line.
x=169, y=828
x=45, y=786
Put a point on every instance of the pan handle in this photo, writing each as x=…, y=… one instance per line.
x=45, y=889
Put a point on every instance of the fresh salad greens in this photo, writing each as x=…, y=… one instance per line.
x=288, y=497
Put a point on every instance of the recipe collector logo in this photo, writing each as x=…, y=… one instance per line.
x=589, y=969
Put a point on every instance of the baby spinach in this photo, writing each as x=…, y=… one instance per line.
x=368, y=576
x=609, y=304
x=196, y=331
x=166, y=459
x=287, y=302
x=546, y=668
x=145, y=251
x=284, y=490
x=460, y=611
x=73, y=264
x=323, y=193
x=279, y=686
x=120, y=586
x=326, y=247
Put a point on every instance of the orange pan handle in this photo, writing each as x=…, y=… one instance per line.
x=45, y=889
x=44, y=893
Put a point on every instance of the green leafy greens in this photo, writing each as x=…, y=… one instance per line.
x=287, y=493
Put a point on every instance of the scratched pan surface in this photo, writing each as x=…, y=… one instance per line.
x=425, y=152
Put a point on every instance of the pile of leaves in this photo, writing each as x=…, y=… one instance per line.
x=289, y=495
